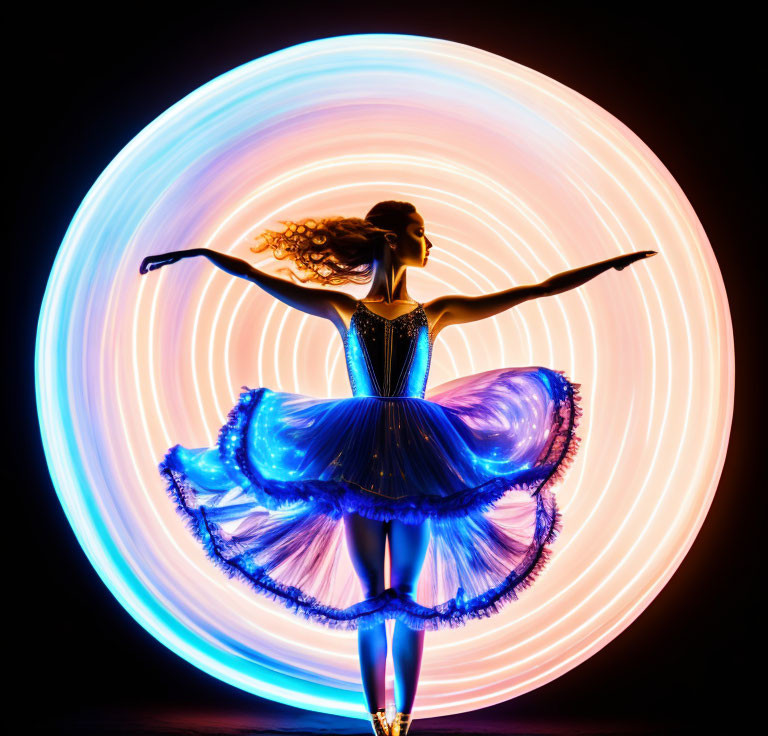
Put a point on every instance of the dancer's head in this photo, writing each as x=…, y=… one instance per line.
x=341, y=250
x=405, y=234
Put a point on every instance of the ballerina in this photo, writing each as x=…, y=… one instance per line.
x=459, y=478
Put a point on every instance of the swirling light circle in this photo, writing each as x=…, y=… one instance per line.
x=518, y=177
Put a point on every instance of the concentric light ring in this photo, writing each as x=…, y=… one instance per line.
x=518, y=178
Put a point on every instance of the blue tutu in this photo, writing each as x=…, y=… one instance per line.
x=476, y=458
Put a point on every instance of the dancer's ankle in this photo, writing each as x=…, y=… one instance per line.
x=401, y=724
x=379, y=722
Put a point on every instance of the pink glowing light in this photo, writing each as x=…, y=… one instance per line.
x=518, y=178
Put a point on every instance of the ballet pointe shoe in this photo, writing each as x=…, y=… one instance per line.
x=379, y=723
x=401, y=724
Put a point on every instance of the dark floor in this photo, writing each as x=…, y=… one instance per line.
x=304, y=723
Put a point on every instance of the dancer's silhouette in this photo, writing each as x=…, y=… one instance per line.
x=459, y=476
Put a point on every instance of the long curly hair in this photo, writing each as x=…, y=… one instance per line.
x=336, y=250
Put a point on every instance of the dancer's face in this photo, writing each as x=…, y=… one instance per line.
x=413, y=245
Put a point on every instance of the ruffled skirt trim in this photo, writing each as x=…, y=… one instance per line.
x=390, y=604
x=284, y=537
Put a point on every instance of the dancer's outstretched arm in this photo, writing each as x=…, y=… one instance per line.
x=454, y=310
x=320, y=302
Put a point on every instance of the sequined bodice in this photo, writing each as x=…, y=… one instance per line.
x=388, y=357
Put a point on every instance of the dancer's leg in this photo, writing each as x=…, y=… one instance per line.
x=408, y=546
x=366, y=540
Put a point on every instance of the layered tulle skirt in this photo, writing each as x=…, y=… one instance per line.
x=475, y=459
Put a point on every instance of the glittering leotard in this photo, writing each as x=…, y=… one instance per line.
x=388, y=357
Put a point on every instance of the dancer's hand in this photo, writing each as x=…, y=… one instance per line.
x=624, y=261
x=152, y=263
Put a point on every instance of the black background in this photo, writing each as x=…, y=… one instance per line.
x=83, y=86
